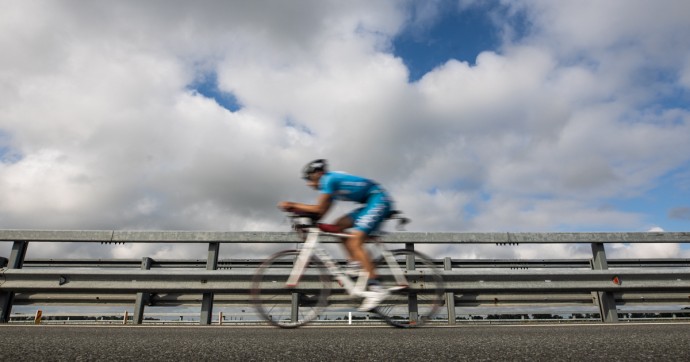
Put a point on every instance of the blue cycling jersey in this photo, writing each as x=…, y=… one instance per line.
x=343, y=186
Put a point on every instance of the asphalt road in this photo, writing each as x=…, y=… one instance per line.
x=623, y=342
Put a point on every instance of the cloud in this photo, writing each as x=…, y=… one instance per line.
x=101, y=126
x=679, y=213
x=645, y=251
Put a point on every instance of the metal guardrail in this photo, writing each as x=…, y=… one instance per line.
x=501, y=238
x=239, y=281
x=524, y=264
x=596, y=281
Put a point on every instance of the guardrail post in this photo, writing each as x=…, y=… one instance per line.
x=16, y=261
x=294, y=308
x=605, y=300
x=450, y=296
x=412, y=304
x=142, y=298
x=5, y=306
x=207, y=300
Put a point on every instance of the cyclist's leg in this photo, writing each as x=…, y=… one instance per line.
x=366, y=221
x=355, y=247
x=345, y=221
x=369, y=218
x=354, y=243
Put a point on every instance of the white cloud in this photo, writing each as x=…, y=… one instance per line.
x=685, y=74
x=645, y=251
x=541, y=134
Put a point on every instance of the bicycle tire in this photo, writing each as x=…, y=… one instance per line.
x=275, y=301
x=425, y=291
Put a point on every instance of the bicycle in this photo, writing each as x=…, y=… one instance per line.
x=292, y=287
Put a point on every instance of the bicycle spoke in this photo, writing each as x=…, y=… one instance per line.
x=289, y=307
x=412, y=306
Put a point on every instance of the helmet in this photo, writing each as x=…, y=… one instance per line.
x=313, y=166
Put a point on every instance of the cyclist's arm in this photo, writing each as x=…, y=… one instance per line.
x=323, y=204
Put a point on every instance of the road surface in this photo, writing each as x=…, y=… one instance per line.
x=620, y=342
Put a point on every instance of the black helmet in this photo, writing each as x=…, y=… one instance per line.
x=313, y=166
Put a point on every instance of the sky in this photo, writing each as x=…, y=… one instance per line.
x=483, y=116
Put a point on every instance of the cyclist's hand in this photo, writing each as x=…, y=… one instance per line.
x=286, y=206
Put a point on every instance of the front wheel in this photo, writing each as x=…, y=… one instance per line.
x=289, y=307
x=420, y=300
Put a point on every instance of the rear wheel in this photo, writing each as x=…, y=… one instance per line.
x=290, y=307
x=419, y=302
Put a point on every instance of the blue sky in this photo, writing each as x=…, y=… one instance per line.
x=665, y=202
x=207, y=86
x=453, y=34
x=476, y=115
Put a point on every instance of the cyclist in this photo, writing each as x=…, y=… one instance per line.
x=365, y=220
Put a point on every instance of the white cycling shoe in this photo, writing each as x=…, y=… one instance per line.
x=373, y=297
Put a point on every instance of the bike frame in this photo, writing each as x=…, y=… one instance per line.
x=311, y=249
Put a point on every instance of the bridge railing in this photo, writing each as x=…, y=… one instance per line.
x=598, y=281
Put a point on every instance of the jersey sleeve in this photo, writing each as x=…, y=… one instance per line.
x=328, y=184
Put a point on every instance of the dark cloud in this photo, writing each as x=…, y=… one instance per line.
x=679, y=213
